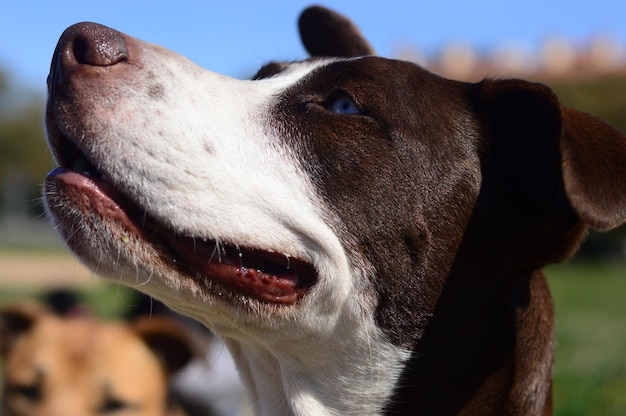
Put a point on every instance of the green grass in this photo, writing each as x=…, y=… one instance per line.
x=590, y=377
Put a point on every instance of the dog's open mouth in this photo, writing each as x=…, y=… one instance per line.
x=267, y=276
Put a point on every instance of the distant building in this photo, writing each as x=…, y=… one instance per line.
x=556, y=57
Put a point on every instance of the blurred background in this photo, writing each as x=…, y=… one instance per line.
x=578, y=48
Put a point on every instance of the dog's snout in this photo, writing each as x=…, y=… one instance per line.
x=88, y=44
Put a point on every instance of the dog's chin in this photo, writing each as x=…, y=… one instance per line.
x=95, y=220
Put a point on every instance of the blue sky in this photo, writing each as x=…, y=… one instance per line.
x=235, y=37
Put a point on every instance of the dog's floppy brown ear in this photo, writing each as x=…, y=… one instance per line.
x=594, y=169
x=168, y=339
x=16, y=319
x=327, y=33
x=539, y=149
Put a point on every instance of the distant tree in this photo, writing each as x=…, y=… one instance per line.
x=24, y=157
x=3, y=81
x=604, y=97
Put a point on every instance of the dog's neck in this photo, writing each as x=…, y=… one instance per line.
x=343, y=375
x=490, y=340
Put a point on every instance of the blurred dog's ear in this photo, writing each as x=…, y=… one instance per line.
x=16, y=319
x=168, y=339
x=327, y=33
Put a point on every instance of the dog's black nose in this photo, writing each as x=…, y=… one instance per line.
x=92, y=44
x=87, y=44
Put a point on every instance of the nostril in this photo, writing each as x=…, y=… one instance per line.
x=80, y=50
x=96, y=45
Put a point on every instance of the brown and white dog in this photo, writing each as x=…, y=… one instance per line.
x=78, y=365
x=367, y=237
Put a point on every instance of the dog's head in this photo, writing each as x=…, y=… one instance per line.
x=315, y=213
x=55, y=365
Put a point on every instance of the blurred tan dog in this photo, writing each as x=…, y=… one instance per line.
x=80, y=366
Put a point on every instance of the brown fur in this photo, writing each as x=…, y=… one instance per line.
x=481, y=329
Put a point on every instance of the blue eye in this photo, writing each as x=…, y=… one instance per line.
x=343, y=105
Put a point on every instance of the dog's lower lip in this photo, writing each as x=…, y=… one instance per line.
x=266, y=276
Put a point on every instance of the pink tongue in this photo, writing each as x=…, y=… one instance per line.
x=244, y=271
